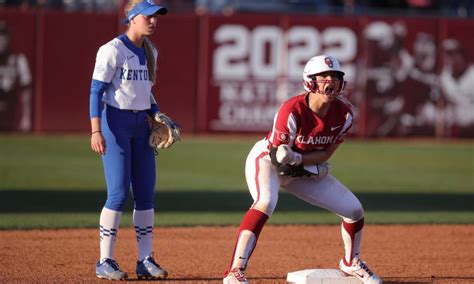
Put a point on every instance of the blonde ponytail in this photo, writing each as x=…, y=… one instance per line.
x=130, y=5
x=150, y=60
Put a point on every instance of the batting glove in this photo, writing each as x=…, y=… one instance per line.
x=285, y=155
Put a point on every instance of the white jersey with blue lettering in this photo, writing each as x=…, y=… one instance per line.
x=123, y=65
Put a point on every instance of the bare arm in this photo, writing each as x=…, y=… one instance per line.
x=97, y=140
x=319, y=156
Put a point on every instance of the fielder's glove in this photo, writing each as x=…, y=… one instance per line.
x=293, y=171
x=319, y=171
x=164, y=132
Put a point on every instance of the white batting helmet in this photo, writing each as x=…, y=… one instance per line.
x=317, y=65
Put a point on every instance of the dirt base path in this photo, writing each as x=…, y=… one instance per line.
x=399, y=254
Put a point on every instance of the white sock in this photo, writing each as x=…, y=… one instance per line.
x=245, y=245
x=109, y=223
x=143, y=221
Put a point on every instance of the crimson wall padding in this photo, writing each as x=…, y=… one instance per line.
x=229, y=74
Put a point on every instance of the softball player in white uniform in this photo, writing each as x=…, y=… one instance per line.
x=307, y=130
x=122, y=80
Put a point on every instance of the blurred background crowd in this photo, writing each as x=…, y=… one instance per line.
x=451, y=8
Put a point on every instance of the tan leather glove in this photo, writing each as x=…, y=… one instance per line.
x=164, y=132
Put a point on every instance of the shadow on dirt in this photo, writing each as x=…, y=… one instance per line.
x=45, y=201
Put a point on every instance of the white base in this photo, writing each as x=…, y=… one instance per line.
x=320, y=276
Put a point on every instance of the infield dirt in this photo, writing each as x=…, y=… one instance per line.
x=398, y=253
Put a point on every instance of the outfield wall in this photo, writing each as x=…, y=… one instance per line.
x=230, y=74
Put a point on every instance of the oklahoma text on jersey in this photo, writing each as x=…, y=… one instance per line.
x=316, y=140
x=297, y=125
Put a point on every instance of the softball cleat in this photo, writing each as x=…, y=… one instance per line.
x=360, y=270
x=148, y=268
x=109, y=269
x=235, y=276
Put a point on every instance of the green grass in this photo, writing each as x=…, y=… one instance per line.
x=57, y=182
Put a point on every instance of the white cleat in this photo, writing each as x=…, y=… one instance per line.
x=148, y=268
x=360, y=270
x=109, y=269
x=235, y=276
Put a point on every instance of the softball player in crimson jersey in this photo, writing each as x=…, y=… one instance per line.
x=122, y=80
x=307, y=130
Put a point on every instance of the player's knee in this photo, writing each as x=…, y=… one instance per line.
x=143, y=198
x=357, y=213
x=355, y=210
x=144, y=205
x=116, y=201
x=266, y=205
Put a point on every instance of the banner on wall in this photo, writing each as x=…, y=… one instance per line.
x=400, y=72
x=457, y=79
x=400, y=81
x=257, y=63
x=17, y=34
x=406, y=76
x=418, y=78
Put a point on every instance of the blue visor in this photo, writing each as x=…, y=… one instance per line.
x=147, y=8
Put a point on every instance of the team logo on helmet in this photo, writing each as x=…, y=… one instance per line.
x=151, y=2
x=328, y=62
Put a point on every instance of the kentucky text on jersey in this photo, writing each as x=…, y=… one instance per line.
x=314, y=140
x=133, y=74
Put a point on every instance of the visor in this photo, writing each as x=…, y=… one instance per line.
x=147, y=8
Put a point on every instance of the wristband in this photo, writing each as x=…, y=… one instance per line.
x=96, y=131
